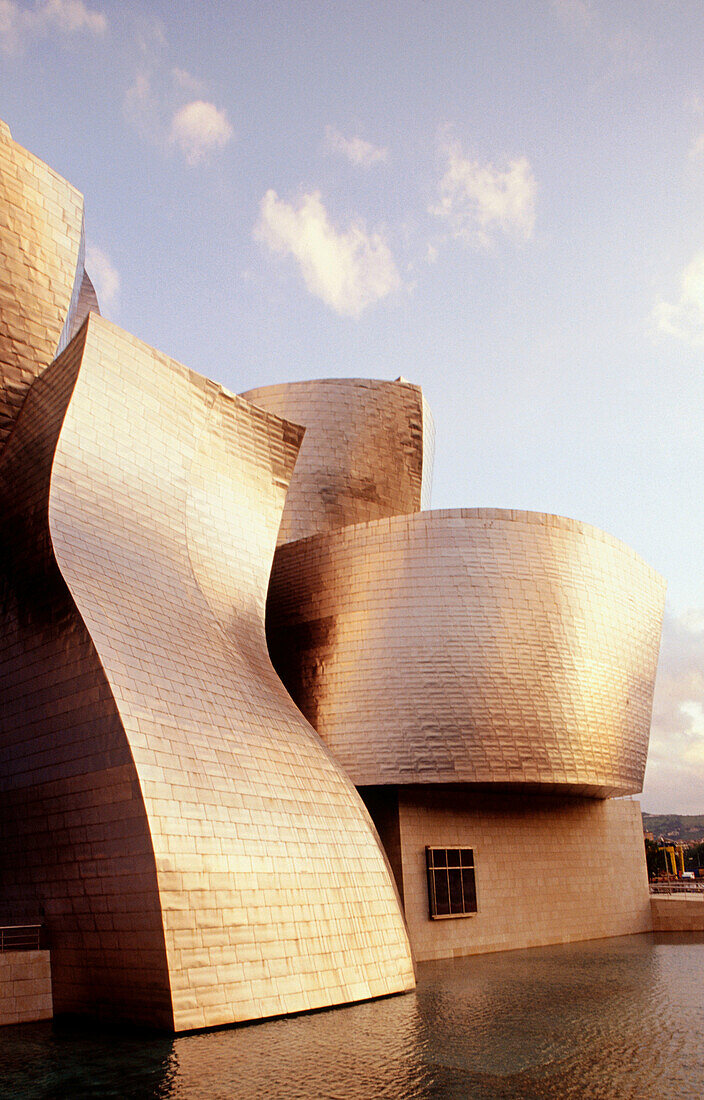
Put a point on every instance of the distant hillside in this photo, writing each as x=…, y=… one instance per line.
x=675, y=826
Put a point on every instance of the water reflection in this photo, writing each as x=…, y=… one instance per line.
x=607, y=1019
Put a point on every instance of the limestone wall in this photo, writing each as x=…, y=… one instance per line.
x=683, y=913
x=548, y=870
x=25, y=987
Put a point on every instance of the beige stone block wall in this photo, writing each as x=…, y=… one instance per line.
x=25, y=987
x=678, y=914
x=548, y=870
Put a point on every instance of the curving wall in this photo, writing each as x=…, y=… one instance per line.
x=76, y=852
x=472, y=646
x=367, y=451
x=41, y=244
x=87, y=302
x=195, y=849
x=206, y=822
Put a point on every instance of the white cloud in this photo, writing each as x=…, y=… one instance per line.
x=187, y=81
x=165, y=102
x=480, y=200
x=147, y=109
x=72, y=16
x=104, y=277
x=10, y=28
x=198, y=129
x=348, y=269
x=138, y=96
x=675, y=774
x=19, y=24
x=685, y=317
x=357, y=151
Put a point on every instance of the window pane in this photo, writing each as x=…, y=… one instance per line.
x=436, y=857
x=467, y=857
x=456, y=900
x=469, y=891
x=442, y=896
x=453, y=857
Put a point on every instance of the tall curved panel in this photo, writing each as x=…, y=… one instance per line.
x=472, y=646
x=367, y=452
x=41, y=243
x=76, y=852
x=164, y=503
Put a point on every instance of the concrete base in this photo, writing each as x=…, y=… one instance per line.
x=678, y=912
x=25, y=987
x=549, y=869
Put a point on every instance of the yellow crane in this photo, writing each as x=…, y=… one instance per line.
x=674, y=859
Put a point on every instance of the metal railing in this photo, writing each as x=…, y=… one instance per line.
x=677, y=888
x=20, y=937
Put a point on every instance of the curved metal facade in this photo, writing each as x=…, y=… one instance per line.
x=197, y=851
x=87, y=303
x=175, y=800
x=41, y=244
x=472, y=646
x=367, y=452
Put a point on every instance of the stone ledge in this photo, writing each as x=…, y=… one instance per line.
x=678, y=912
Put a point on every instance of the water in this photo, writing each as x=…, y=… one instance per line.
x=620, y=1018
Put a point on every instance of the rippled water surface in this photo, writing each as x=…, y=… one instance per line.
x=620, y=1018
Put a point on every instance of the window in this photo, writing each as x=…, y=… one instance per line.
x=451, y=888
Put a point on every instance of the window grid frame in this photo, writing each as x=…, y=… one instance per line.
x=465, y=863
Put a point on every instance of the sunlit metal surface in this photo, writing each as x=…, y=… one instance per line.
x=196, y=852
x=41, y=240
x=472, y=646
x=198, y=855
x=87, y=303
x=367, y=452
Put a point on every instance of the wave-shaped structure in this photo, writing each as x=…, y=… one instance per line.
x=196, y=850
x=198, y=855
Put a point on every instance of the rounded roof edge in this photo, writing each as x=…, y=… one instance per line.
x=487, y=515
x=331, y=382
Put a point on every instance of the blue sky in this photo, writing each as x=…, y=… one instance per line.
x=501, y=201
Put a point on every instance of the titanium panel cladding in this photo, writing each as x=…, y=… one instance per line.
x=472, y=646
x=367, y=451
x=41, y=235
x=248, y=864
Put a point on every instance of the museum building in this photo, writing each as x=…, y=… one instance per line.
x=272, y=730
